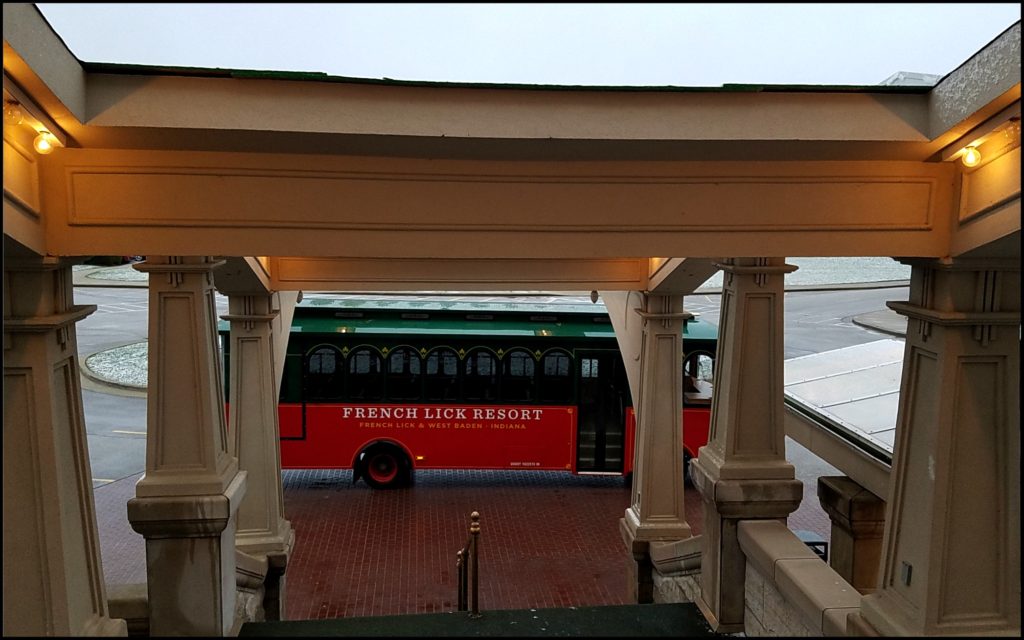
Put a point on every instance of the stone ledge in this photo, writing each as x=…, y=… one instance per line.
x=805, y=583
x=813, y=588
x=765, y=542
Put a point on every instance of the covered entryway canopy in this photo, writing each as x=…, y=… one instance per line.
x=340, y=183
x=304, y=181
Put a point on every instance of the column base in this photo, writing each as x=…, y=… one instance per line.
x=656, y=532
x=713, y=622
x=101, y=626
x=640, y=580
x=190, y=560
x=886, y=614
x=277, y=551
x=280, y=542
x=640, y=572
x=723, y=565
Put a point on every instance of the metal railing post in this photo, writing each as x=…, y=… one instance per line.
x=465, y=556
x=474, y=531
x=460, y=570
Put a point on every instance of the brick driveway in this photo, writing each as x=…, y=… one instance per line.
x=548, y=539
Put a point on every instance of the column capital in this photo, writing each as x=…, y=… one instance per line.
x=52, y=322
x=754, y=271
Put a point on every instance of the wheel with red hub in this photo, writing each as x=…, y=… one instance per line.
x=384, y=467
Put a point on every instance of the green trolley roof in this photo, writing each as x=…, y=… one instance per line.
x=545, y=317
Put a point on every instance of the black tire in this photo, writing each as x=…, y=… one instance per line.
x=385, y=467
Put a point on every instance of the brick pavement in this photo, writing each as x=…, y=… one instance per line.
x=549, y=539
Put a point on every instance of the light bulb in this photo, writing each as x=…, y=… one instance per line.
x=1012, y=131
x=43, y=142
x=13, y=114
x=971, y=157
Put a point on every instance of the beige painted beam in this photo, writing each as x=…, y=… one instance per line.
x=486, y=274
x=271, y=204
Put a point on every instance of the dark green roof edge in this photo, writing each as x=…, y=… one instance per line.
x=319, y=76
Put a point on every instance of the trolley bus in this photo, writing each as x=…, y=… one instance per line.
x=385, y=387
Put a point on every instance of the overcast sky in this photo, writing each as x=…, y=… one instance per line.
x=573, y=44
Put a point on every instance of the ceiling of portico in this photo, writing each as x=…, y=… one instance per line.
x=352, y=182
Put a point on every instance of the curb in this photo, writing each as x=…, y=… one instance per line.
x=845, y=286
x=108, y=383
x=878, y=327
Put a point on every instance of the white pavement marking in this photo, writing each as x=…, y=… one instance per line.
x=131, y=433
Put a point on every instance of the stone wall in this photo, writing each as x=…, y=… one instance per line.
x=676, y=588
x=766, y=612
x=789, y=590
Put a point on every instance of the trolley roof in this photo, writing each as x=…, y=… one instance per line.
x=523, y=316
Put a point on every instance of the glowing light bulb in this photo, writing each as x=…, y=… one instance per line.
x=971, y=157
x=44, y=142
x=13, y=114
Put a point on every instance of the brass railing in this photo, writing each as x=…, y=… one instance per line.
x=469, y=555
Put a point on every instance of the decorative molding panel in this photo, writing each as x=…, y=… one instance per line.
x=170, y=202
x=991, y=186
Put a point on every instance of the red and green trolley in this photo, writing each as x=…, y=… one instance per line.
x=388, y=386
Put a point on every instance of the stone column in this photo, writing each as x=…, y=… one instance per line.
x=53, y=577
x=187, y=501
x=656, y=512
x=951, y=550
x=858, y=520
x=254, y=439
x=742, y=472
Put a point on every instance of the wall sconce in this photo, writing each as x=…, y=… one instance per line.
x=45, y=142
x=970, y=157
x=13, y=115
x=21, y=111
x=989, y=140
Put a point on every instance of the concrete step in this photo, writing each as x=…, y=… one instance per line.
x=622, y=621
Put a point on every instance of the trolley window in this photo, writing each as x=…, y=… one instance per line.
x=404, y=379
x=365, y=375
x=554, y=380
x=480, y=381
x=441, y=376
x=698, y=377
x=518, y=376
x=323, y=374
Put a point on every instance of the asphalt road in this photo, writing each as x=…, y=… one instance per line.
x=115, y=419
